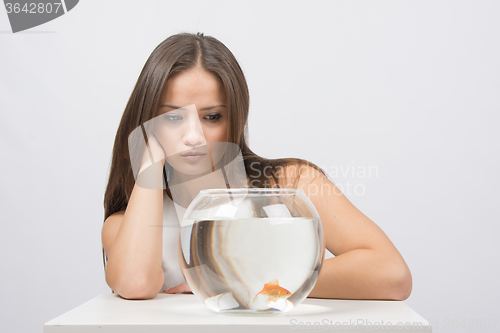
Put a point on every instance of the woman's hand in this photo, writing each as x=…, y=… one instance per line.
x=153, y=150
x=182, y=288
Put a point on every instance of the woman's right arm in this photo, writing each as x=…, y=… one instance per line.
x=132, y=240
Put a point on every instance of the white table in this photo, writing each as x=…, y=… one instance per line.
x=186, y=313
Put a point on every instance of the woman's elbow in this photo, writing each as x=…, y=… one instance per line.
x=134, y=290
x=401, y=283
x=134, y=295
x=137, y=293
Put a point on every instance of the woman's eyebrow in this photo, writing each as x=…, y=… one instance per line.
x=204, y=109
x=213, y=107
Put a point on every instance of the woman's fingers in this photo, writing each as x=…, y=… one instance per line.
x=182, y=288
x=156, y=148
x=153, y=153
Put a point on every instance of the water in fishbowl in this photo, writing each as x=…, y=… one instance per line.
x=251, y=265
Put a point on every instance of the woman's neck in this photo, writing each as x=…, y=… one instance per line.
x=186, y=187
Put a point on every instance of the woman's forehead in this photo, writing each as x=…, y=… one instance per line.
x=193, y=81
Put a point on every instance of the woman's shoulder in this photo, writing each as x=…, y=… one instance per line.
x=316, y=185
x=300, y=172
x=297, y=167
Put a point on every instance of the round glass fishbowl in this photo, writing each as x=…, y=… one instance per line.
x=251, y=249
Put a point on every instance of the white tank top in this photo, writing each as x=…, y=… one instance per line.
x=170, y=262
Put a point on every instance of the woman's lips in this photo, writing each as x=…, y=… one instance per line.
x=193, y=156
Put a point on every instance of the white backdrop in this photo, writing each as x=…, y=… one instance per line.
x=406, y=91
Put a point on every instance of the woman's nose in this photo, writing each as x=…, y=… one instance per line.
x=193, y=135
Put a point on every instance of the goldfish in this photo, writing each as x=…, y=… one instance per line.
x=272, y=292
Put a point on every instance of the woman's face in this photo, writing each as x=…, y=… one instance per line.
x=192, y=114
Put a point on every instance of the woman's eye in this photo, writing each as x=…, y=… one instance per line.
x=213, y=117
x=173, y=118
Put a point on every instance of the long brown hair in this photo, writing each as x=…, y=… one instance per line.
x=176, y=54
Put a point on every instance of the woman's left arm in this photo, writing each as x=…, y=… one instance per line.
x=366, y=264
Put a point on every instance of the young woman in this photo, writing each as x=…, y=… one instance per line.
x=199, y=72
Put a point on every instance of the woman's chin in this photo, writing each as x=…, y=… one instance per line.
x=192, y=166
